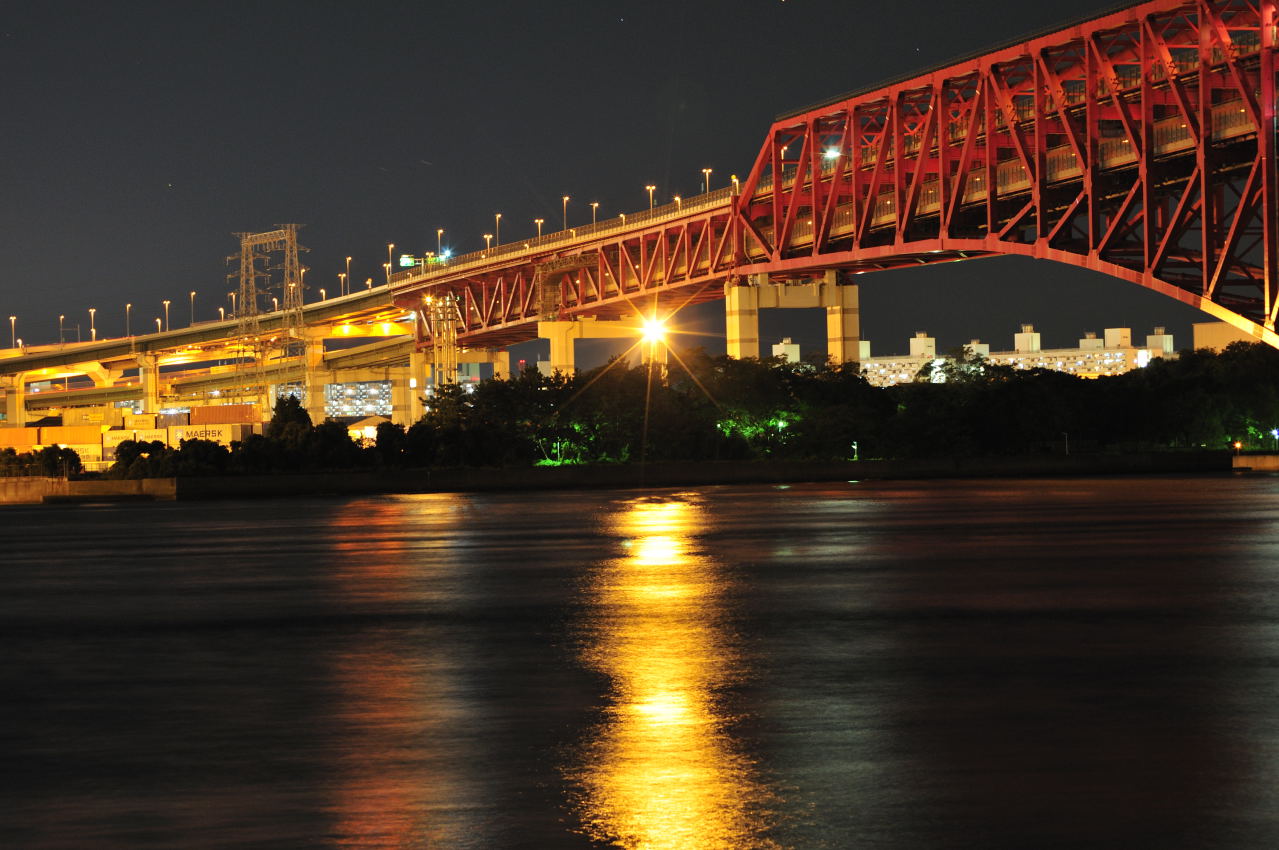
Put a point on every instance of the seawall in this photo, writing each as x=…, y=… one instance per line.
x=690, y=474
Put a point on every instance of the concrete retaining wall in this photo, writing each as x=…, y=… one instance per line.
x=33, y=491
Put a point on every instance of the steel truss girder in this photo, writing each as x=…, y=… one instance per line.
x=669, y=264
x=1140, y=143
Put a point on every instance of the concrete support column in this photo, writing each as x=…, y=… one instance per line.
x=416, y=382
x=316, y=384
x=501, y=360
x=561, y=336
x=315, y=379
x=843, y=322
x=741, y=319
x=15, y=400
x=149, y=381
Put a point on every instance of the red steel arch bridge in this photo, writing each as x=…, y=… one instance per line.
x=1139, y=143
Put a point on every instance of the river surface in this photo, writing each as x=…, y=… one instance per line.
x=1006, y=664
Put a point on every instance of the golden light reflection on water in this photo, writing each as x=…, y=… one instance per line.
x=400, y=775
x=663, y=770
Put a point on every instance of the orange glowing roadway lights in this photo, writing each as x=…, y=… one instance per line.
x=488, y=241
x=595, y=205
x=564, y=200
x=538, y=222
x=439, y=240
x=497, y=227
x=706, y=179
x=651, y=190
x=93, y=328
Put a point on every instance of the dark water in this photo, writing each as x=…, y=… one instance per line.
x=1013, y=664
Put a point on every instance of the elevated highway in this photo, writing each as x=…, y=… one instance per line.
x=1140, y=143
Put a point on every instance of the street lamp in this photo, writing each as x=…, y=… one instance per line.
x=497, y=227
x=564, y=200
x=736, y=188
x=128, y=309
x=651, y=190
x=221, y=314
x=439, y=241
x=341, y=283
x=595, y=205
x=538, y=222
x=166, y=314
x=387, y=266
x=323, y=295
x=231, y=295
x=390, y=246
x=61, y=316
x=679, y=202
x=368, y=283
x=93, y=328
x=158, y=326
x=13, y=331
x=348, y=275
x=706, y=179
x=488, y=241
x=193, y=306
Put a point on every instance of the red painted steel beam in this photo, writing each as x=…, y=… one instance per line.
x=1140, y=143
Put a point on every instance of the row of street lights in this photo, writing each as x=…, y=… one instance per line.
x=344, y=278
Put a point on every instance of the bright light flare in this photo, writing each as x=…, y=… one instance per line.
x=831, y=153
x=654, y=330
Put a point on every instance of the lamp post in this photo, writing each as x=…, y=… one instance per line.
x=348, y=275
x=538, y=222
x=61, y=316
x=387, y=266
x=390, y=246
x=221, y=314
x=679, y=202
x=128, y=311
x=231, y=295
x=497, y=227
x=439, y=241
x=706, y=179
x=93, y=328
x=193, y=306
x=488, y=241
x=368, y=283
x=166, y=314
x=323, y=295
x=13, y=331
x=158, y=327
x=736, y=188
x=564, y=206
x=275, y=304
x=595, y=205
x=341, y=283
x=651, y=190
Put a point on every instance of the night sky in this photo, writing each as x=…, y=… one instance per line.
x=139, y=135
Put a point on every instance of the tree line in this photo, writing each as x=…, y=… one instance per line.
x=703, y=407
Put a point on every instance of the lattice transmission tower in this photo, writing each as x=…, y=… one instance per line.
x=288, y=336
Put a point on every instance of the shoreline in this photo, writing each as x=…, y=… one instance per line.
x=531, y=479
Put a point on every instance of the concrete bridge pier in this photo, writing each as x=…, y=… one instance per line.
x=149, y=380
x=743, y=301
x=15, y=399
x=562, y=334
